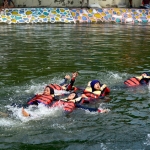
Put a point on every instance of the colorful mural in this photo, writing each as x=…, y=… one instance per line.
x=118, y=15
x=36, y=15
x=66, y=15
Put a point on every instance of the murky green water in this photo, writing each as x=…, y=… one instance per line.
x=32, y=56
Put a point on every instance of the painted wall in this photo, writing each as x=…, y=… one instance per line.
x=118, y=15
x=66, y=15
x=36, y=15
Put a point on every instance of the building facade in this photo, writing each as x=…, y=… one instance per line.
x=76, y=3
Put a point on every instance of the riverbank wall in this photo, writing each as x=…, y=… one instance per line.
x=74, y=15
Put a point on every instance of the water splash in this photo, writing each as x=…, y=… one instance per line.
x=36, y=112
x=5, y=122
x=39, y=87
x=147, y=140
x=115, y=76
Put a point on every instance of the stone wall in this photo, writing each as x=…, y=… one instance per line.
x=66, y=15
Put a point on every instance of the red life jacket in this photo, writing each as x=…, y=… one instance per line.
x=75, y=88
x=95, y=94
x=55, y=86
x=72, y=88
x=105, y=91
x=67, y=106
x=92, y=94
x=45, y=99
x=132, y=82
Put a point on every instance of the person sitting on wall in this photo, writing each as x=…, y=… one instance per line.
x=146, y=4
x=7, y=4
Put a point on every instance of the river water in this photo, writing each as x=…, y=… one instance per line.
x=34, y=55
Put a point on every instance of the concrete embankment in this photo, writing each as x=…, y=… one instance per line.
x=74, y=15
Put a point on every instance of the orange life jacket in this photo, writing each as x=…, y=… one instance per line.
x=95, y=94
x=45, y=99
x=132, y=82
x=67, y=106
x=55, y=86
x=90, y=94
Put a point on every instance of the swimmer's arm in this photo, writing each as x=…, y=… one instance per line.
x=100, y=110
x=139, y=77
x=143, y=77
x=147, y=77
x=89, y=84
x=76, y=100
x=66, y=78
x=103, y=87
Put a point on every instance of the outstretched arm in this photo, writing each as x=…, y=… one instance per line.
x=74, y=75
x=66, y=78
x=143, y=76
x=91, y=109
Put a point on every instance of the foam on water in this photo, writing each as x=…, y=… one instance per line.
x=36, y=88
x=6, y=122
x=56, y=125
x=39, y=87
x=15, y=113
x=147, y=140
x=115, y=78
x=36, y=112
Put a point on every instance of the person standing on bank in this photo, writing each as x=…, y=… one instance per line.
x=130, y=2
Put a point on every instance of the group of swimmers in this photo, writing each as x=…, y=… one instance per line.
x=76, y=97
x=93, y=92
